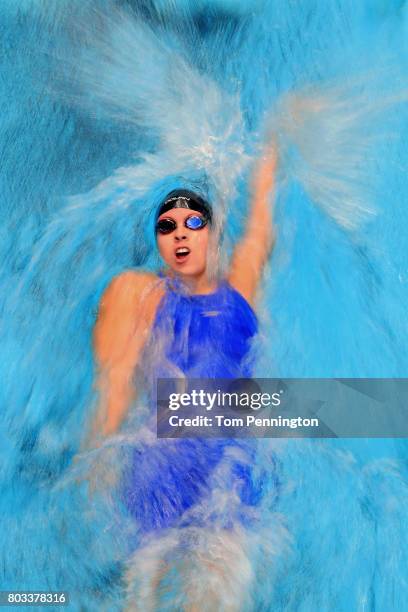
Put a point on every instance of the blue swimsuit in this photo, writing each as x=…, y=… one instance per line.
x=206, y=336
x=197, y=336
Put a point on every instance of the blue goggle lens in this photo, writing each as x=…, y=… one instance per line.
x=195, y=222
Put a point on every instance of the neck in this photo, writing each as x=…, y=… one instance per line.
x=199, y=285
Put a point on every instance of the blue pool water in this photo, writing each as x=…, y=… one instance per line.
x=105, y=106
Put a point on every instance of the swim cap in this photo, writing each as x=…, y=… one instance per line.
x=183, y=198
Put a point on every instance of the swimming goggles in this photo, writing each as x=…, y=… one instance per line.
x=193, y=222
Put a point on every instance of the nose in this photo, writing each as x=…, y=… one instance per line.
x=180, y=234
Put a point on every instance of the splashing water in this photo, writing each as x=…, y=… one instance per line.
x=335, y=129
x=120, y=107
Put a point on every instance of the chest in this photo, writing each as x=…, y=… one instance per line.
x=191, y=330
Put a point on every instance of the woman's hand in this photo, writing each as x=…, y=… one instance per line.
x=96, y=469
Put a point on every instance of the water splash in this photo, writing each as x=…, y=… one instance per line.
x=338, y=303
x=328, y=135
x=129, y=73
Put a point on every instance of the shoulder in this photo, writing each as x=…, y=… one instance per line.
x=243, y=287
x=125, y=312
x=129, y=296
x=130, y=282
x=129, y=286
x=240, y=297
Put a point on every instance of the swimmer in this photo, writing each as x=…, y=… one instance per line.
x=129, y=306
x=194, y=325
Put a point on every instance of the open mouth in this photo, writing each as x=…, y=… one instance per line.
x=182, y=253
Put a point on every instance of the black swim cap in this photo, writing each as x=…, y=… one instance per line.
x=183, y=198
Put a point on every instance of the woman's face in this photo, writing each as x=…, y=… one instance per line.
x=184, y=250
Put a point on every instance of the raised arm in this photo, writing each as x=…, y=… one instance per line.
x=125, y=316
x=254, y=248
